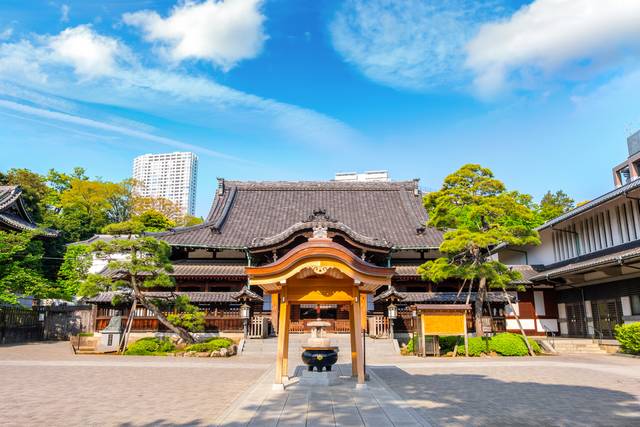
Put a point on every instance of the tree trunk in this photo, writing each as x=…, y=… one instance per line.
x=526, y=340
x=181, y=332
x=482, y=288
x=127, y=329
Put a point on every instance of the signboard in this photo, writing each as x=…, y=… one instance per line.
x=443, y=322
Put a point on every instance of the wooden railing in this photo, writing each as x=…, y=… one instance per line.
x=378, y=326
x=151, y=324
x=340, y=326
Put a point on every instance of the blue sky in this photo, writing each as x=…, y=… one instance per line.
x=543, y=92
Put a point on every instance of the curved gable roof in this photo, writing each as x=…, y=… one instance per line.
x=14, y=215
x=247, y=214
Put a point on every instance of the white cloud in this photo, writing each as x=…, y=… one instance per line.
x=548, y=35
x=89, y=53
x=43, y=68
x=64, y=13
x=94, y=124
x=412, y=44
x=223, y=32
x=6, y=33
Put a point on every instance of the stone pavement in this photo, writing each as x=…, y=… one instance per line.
x=337, y=405
x=45, y=383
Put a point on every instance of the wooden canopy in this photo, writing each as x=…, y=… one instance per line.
x=319, y=271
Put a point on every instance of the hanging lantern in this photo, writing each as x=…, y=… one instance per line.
x=392, y=312
x=245, y=311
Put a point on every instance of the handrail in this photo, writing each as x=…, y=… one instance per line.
x=600, y=336
x=552, y=341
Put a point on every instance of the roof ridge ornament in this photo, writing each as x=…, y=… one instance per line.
x=320, y=214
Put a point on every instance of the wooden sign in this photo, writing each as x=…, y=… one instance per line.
x=443, y=320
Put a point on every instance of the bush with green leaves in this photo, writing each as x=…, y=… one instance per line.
x=211, y=344
x=505, y=344
x=629, y=337
x=187, y=316
x=512, y=345
x=150, y=346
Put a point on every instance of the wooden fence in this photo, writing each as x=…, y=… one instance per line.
x=19, y=324
x=339, y=326
x=259, y=327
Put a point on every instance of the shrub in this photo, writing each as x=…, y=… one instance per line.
x=512, y=345
x=211, y=344
x=187, y=316
x=150, y=346
x=477, y=346
x=629, y=337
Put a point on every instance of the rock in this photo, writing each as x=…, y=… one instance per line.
x=190, y=354
x=202, y=354
x=223, y=352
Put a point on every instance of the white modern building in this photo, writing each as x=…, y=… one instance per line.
x=369, y=176
x=172, y=176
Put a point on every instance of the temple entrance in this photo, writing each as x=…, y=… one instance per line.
x=319, y=273
x=337, y=315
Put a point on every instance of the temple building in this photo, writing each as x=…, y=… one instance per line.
x=14, y=215
x=258, y=225
x=589, y=260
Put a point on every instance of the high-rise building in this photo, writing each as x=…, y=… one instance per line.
x=629, y=170
x=369, y=176
x=171, y=176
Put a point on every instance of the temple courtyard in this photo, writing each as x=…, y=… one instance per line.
x=45, y=383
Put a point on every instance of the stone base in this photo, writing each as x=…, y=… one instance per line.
x=319, y=378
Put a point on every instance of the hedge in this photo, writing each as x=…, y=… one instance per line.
x=211, y=344
x=150, y=346
x=629, y=337
x=505, y=344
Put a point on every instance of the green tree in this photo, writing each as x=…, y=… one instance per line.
x=187, y=315
x=146, y=267
x=189, y=220
x=151, y=221
x=21, y=268
x=86, y=206
x=477, y=213
x=74, y=270
x=555, y=204
x=35, y=191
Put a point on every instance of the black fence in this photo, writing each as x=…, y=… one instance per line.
x=19, y=324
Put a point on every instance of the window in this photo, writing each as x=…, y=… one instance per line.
x=624, y=175
x=635, y=304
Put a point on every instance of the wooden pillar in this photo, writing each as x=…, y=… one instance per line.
x=352, y=334
x=275, y=303
x=285, y=350
x=283, y=327
x=357, y=332
x=363, y=312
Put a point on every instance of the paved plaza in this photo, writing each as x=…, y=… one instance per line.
x=46, y=384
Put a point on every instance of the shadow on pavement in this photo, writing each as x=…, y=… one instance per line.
x=469, y=399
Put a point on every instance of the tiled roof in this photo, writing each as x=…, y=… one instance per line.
x=620, y=191
x=407, y=270
x=194, y=297
x=527, y=272
x=255, y=214
x=449, y=297
x=194, y=268
x=611, y=258
x=13, y=213
x=199, y=268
